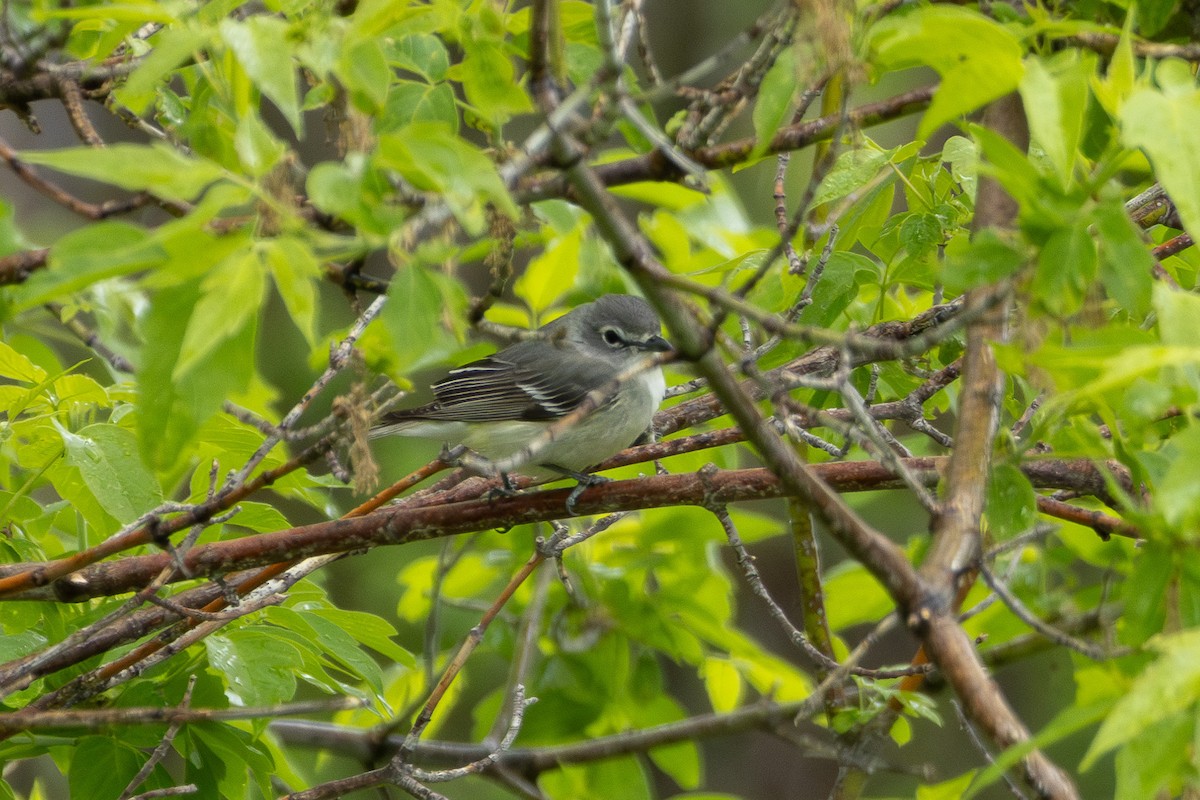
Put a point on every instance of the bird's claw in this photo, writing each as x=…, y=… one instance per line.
x=505, y=489
x=585, y=482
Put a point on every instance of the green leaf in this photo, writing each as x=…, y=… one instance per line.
x=1178, y=492
x=13, y=646
x=261, y=44
x=962, y=156
x=1164, y=124
x=1169, y=684
x=946, y=790
x=410, y=101
x=223, y=758
x=173, y=46
x=837, y=288
x=334, y=642
x=1155, y=758
x=854, y=168
x=432, y=158
x=156, y=168
x=1011, y=502
x=369, y=630
x=102, y=766
x=1066, y=268
x=551, y=273
x=776, y=100
x=1055, y=93
x=853, y=596
x=1125, y=260
x=490, y=83
x=364, y=70
x=257, y=665
x=1153, y=15
x=1113, y=89
x=87, y=255
x=622, y=777
x=18, y=367
x=723, y=683
x=1177, y=315
x=232, y=296
x=413, y=318
x=296, y=271
x=1010, y=167
x=170, y=411
x=979, y=60
x=117, y=12
x=423, y=54
x=257, y=148
x=107, y=458
x=984, y=260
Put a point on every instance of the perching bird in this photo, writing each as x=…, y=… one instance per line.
x=499, y=405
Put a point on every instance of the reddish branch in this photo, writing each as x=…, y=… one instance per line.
x=403, y=524
x=156, y=529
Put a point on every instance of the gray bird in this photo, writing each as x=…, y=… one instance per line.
x=500, y=404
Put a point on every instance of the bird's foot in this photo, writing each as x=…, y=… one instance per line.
x=584, y=481
x=505, y=489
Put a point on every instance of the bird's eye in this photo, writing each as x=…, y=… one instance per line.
x=612, y=338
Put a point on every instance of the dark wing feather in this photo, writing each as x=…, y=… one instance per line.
x=513, y=385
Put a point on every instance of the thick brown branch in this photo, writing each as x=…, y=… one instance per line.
x=17, y=267
x=402, y=524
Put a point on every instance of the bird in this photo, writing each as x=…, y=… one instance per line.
x=499, y=405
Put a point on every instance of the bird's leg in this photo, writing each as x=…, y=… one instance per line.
x=585, y=481
x=505, y=489
x=462, y=456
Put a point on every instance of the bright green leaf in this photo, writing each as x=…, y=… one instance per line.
x=261, y=44
x=232, y=296
x=1164, y=125
x=1066, y=268
x=364, y=70
x=1125, y=261
x=432, y=158
x=854, y=168
x=107, y=458
x=258, y=666
x=1055, y=91
x=1169, y=684
x=979, y=60
x=85, y=256
x=775, y=102
x=163, y=170
x=413, y=318
x=102, y=766
x=173, y=46
x=837, y=288
x=1011, y=503
x=171, y=410
x=296, y=271
x=490, y=82
x=18, y=367
x=723, y=683
x=551, y=273
x=423, y=54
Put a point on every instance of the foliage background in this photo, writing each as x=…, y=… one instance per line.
x=203, y=199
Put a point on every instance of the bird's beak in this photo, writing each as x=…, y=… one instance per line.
x=655, y=344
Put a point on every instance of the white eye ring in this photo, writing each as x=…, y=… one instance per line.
x=611, y=337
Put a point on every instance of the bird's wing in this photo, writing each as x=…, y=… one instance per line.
x=514, y=385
